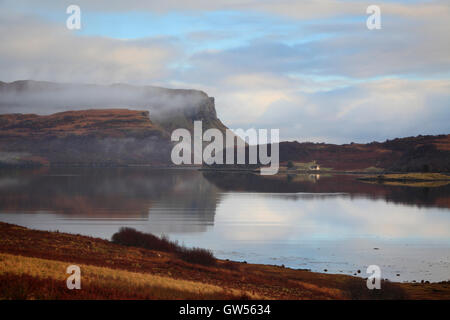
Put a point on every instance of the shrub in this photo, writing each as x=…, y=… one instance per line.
x=134, y=238
x=197, y=255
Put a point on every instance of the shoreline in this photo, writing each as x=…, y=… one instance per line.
x=381, y=176
x=407, y=177
x=236, y=279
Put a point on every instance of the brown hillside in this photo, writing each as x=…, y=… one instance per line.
x=421, y=153
x=87, y=137
x=104, y=122
x=33, y=266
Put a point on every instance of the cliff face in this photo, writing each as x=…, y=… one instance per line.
x=90, y=137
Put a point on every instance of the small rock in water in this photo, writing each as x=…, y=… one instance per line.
x=325, y=270
x=376, y=248
x=359, y=271
x=398, y=274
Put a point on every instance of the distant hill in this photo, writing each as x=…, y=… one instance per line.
x=421, y=153
x=412, y=154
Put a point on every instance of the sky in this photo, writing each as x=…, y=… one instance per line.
x=311, y=69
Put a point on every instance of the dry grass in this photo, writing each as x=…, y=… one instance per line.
x=147, y=285
x=418, y=176
x=421, y=180
x=417, y=184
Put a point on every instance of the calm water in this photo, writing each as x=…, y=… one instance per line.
x=334, y=223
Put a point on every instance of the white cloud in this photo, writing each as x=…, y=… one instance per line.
x=38, y=50
x=374, y=110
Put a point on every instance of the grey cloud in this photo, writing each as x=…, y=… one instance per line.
x=364, y=113
x=401, y=48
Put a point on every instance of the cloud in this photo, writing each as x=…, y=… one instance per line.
x=401, y=48
x=34, y=49
x=376, y=110
x=304, y=9
x=310, y=68
x=347, y=111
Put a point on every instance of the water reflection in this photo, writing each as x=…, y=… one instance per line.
x=326, y=222
x=163, y=196
x=344, y=184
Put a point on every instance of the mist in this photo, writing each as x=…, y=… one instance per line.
x=45, y=98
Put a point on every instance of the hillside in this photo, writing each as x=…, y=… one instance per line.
x=89, y=137
x=33, y=265
x=416, y=154
x=421, y=153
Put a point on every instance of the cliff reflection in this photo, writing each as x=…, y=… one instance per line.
x=113, y=193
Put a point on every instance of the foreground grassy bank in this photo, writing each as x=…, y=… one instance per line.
x=33, y=266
